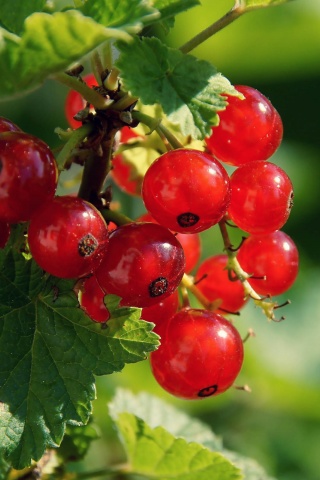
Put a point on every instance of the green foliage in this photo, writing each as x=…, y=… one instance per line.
x=76, y=442
x=188, y=89
x=160, y=442
x=251, y=4
x=14, y=13
x=49, y=353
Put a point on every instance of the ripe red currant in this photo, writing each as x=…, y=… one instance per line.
x=261, y=197
x=190, y=243
x=75, y=102
x=200, y=355
x=215, y=284
x=162, y=310
x=68, y=237
x=249, y=129
x=92, y=300
x=28, y=176
x=272, y=259
x=186, y=190
x=7, y=126
x=144, y=264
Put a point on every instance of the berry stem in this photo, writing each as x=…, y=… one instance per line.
x=89, y=94
x=266, y=305
x=96, y=65
x=236, y=11
x=96, y=169
x=115, y=217
x=187, y=282
x=64, y=159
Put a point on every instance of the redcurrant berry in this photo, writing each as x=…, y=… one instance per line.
x=272, y=260
x=162, y=310
x=144, y=264
x=261, y=197
x=7, y=126
x=200, y=355
x=28, y=176
x=214, y=282
x=68, y=237
x=249, y=129
x=92, y=300
x=186, y=190
x=191, y=244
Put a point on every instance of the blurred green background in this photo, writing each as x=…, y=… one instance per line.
x=277, y=51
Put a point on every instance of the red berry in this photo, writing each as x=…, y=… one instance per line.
x=8, y=126
x=68, y=237
x=75, y=102
x=28, y=176
x=249, y=129
x=92, y=300
x=186, y=190
x=190, y=243
x=144, y=264
x=163, y=310
x=215, y=284
x=4, y=233
x=200, y=355
x=273, y=256
x=261, y=197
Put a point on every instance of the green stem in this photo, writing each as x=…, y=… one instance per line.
x=267, y=305
x=64, y=159
x=124, y=102
x=92, y=96
x=174, y=142
x=150, y=122
x=96, y=65
x=115, y=217
x=215, y=27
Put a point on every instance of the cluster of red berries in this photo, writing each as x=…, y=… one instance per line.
x=185, y=191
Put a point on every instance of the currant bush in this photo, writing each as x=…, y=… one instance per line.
x=200, y=355
x=75, y=103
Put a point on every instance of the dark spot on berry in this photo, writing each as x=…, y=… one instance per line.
x=87, y=245
x=187, y=219
x=158, y=287
x=208, y=391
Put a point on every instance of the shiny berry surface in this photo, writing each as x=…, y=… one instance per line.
x=261, y=197
x=28, y=176
x=200, y=355
x=92, y=300
x=163, y=310
x=249, y=129
x=7, y=126
x=186, y=190
x=213, y=281
x=191, y=244
x=144, y=264
x=75, y=102
x=273, y=256
x=68, y=237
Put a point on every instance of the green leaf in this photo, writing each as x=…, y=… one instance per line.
x=49, y=353
x=156, y=413
x=130, y=15
x=155, y=452
x=188, y=89
x=4, y=468
x=76, y=442
x=14, y=13
x=49, y=44
x=171, y=8
x=252, y=4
